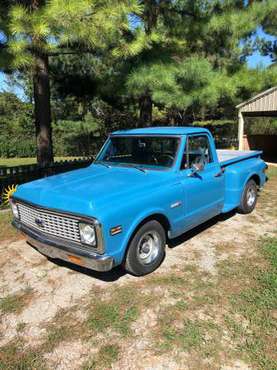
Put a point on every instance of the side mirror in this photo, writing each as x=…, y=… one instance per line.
x=197, y=167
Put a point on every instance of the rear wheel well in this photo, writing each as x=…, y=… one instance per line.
x=257, y=179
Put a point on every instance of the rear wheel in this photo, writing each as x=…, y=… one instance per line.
x=146, y=250
x=249, y=197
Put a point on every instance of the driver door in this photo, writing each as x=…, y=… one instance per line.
x=203, y=191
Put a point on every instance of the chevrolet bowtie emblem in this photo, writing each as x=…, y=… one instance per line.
x=39, y=223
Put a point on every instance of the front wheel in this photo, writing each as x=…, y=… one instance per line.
x=146, y=250
x=249, y=197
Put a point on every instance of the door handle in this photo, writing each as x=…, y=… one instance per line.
x=220, y=173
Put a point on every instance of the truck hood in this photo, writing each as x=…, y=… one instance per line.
x=88, y=190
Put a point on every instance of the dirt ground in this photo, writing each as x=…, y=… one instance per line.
x=48, y=306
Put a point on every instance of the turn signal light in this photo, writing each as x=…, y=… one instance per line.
x=74, y=259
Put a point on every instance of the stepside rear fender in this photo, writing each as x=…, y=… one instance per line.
x=236, y=177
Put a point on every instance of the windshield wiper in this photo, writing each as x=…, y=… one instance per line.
x=102, y=163
x=133, y=166
x=122, y=164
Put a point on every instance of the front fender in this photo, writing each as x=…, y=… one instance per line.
x=117, y=245
x=136, y=207
x=138, y=220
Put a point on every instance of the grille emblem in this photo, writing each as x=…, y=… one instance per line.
x=39, y=223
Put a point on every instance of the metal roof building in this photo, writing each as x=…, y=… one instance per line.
x=263, y=104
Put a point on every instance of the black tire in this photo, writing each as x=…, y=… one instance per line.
x=151, y=235
x=247, y=206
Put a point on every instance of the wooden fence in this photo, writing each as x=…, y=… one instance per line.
x=20, y=174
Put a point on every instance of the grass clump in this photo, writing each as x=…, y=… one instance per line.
x=103, y=315
x=56, y=335
x=10, y=304
x=169, y=280
x=14, y=356
x=62, y=328
x=118, y=312
x=20, y=327
x=15, y=303
x=187, y=337
x=107, y=355
x=176, y=329
x=7, y=231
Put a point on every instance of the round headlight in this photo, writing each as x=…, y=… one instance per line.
x=87, y=233
x=14, y=209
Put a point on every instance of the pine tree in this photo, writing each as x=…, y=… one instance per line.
x=38, y=30
x=197, y=54
x=269, y=47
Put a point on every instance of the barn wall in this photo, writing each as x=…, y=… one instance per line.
x=266, y=103
x=266, y=143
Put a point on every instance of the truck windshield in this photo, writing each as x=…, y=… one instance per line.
x=140, y=151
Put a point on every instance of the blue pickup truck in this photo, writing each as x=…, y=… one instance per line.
x=145, y=187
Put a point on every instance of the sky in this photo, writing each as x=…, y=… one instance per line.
x=257, y=59
x=253, y=61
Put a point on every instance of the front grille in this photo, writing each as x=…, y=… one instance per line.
x=49, y=223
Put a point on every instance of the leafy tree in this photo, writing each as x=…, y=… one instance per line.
x=17, y=131
x=36, y=30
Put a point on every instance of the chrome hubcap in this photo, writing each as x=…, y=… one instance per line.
x=250, y=197
x=148, y=247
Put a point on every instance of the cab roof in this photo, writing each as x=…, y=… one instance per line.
x=171, y=130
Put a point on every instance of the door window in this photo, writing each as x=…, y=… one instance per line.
x=197, y=151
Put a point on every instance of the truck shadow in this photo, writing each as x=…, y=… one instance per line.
x=118, y=272
x=108, y=276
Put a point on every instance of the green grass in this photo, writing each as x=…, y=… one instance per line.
x=10, y=304
x=55, y=335
x=15, y=303
x=20, y=327
x=117, y=313
x=7, y=231
x=177, y=330
x=272, y=171
x=62, y=328
x=187, y=337
x=268, y=198
x=14, y=356
x=257, y=304
x=240, y=301
x=9, y=162
x=106, y=356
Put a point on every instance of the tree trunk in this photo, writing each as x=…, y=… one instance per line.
x=42, y=111
x=145, y=106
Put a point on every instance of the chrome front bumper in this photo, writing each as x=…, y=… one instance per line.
x=65, y=250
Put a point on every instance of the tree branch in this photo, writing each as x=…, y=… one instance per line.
x=57, y=53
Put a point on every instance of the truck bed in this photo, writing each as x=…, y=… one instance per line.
x=227, y=157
